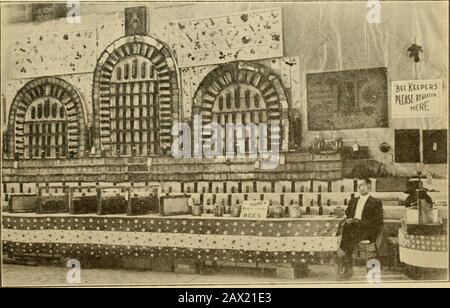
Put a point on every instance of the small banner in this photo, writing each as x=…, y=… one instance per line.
x=255, y=209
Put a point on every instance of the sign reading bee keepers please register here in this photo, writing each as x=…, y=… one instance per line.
x=416, y=98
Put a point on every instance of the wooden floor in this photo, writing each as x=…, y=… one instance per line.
x=15, y=275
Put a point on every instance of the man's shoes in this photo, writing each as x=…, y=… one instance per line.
x=348, y=273
x=344, y=268
x=341, y=254
x=348, y=264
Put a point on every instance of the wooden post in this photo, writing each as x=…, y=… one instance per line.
x=99, y=199
x=129, y=209
x=70, y=200
x=195, y=187
x=39, y=194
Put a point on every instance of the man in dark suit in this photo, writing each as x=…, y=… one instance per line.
x=364, y=222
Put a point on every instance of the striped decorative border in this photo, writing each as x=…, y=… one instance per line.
x=80, y=251
x=426, y=259
x=423, y=242
x=423, y=250
x=47, y=87
x=324, y=227
x=167, y=73
x=174, y=239
x=228, y=239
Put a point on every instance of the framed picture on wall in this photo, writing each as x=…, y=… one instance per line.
x=435, y=146
x=136, y=20
x=407, y=146
x=351, y=99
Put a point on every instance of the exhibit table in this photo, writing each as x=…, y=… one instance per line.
x=425, y=256
x=311, y=239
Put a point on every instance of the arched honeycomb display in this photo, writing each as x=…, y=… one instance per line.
x=135, y=97
x=47, y=120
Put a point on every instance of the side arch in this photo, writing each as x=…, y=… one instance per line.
x=257, y=75
x=55, y=88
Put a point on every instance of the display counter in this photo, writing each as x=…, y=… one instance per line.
x=311, y=239
x=425, y=256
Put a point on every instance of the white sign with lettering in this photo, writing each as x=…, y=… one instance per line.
x=416, y=98
x=254, y=209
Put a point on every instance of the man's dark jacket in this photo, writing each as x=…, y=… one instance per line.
x=372, y=216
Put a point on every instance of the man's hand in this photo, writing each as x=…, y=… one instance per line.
x=350, y=221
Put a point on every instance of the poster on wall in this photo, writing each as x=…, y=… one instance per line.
x=239, y=36
x=416, y=98
x=55, y=54
x=351, y=99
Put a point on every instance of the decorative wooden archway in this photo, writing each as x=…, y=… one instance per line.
x=47, y=87
x=125, y=62
x=254, y=76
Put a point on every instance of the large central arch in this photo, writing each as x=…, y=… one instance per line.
x=124, y=63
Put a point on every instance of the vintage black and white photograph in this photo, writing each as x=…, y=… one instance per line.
x=224, y=143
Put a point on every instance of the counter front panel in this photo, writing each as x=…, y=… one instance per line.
x=304, y=240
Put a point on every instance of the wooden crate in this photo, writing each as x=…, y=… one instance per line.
x=163, y=264
x=186, y=266
x=23, y=203
x=53, y=204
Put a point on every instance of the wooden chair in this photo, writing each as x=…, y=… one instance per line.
x=384, y=246
x=393, y=253
x=367, y=251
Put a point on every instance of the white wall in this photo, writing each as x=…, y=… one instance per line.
x=326, y=37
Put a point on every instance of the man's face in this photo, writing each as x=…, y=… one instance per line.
x=364, y=188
